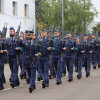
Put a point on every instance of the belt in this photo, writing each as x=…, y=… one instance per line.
x=57, y=54
x=44, y=55
x=29, y=57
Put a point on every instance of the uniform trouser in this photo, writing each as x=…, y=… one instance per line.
x=56, y=62
x=3, y=77
x=63, y=67
x=14, y=70
x=75, y=64
x=51, y=67
x=79, y=64
x=40, y=72
x=69, y=63
x=94, y=59
x=1, y=73
x=87, y=63
x=44, y=65
x=99, y=58
x=31, y=67
x=23, y=72
x=20, y=62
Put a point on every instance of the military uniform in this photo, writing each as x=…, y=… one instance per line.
x=51, y=66
x=40, y=72
x=95, y=49
x=87, y=56
x=79, y=58
x=44, y=59
x=56, y=57
x=22, y=61
x=2, y=78
x=13, y=60
x=69, y=57
x=98, y=52
x=30, y=62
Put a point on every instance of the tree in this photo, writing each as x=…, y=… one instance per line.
x=96, y=28
x=76, y=13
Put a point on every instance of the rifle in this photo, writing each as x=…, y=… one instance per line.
x=82, y=39
x=4, y=32
x=52, y=34
x=97, y=35
x=89, y=41
x=17, y=33
x=36, y=44
x=16, y=40
x=2, y=40
x=74, y=36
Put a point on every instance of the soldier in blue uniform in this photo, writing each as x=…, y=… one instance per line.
x=24, y=72
x=98, y=52
x=51, y=67
x=68, y=56
x=13, y=51
x=3, y=59
x=31, y=55
x=20, y=58
x=88, y=48
x=95, y=47
x=44, y=49
x=2, y=52
x=56, y=55
x=40, y=77
x=79, y=56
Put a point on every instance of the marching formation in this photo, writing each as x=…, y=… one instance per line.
x=50, y=53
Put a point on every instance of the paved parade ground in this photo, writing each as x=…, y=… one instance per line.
x=84, y=89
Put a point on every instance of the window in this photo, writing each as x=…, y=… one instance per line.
x=1, y=6
x=26, y=10
x=15, y=8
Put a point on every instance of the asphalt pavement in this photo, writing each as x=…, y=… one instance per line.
x=84, y=89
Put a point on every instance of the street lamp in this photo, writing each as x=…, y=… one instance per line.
x=62, y=15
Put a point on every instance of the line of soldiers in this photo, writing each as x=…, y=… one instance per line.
x=48, y=55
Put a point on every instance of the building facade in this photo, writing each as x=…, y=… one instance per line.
x=15, y=11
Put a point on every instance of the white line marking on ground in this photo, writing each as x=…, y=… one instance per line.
x=23, y=85
x=10, y=88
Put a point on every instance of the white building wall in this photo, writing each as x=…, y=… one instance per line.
x=14, y=21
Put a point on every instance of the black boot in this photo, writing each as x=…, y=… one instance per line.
x=9, y=79
x=21, y=77
x=12, y=85
x=79, y=77
x=39, y=79
x=43, y=85
x=1, y=88
x=49, y=76
x=94, y=67
x=28, y=81
x=70, y=79
x=31, y=89
x=87, y=75
x=17, y=84
x=98, y=66
x=58, y=83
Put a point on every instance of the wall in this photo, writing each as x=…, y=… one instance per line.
x=7, y=15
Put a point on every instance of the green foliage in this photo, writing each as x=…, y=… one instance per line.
x=76, y=14
x=96, y=28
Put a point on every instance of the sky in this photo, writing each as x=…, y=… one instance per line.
x=96, y=3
